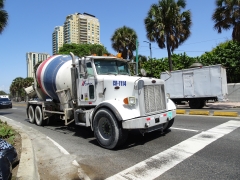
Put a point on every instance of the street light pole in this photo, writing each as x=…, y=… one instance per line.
x=136, y=56
x=150, y=47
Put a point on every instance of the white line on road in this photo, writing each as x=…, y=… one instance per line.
x=162, y=162
x=81, y=173
x=64, y=151
x=185, y=129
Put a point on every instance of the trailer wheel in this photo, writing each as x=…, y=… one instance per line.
x=31, y=114
x=38, y=116
x=107, y=131
x=168, y=124
x=196, y=103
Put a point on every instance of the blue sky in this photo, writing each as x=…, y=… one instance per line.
x=31, y=23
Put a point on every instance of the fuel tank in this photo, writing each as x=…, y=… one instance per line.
x=55, y=74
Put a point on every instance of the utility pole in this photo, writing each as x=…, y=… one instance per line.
x=150, y=47
x=136, y=56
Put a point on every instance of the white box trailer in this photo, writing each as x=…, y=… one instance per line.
x=197, y=85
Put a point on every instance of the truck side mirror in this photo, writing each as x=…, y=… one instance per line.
x=82, y=68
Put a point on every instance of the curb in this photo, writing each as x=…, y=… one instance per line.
x=27, y=169
x=207, y=113
x=19, y=104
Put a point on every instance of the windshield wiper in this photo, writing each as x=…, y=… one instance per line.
x=112, y=73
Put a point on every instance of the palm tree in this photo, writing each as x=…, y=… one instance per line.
x=28, y=82
x=124, y=41
x=3, y=17
x=167, y=25
x=16, y=87
x=226, y=16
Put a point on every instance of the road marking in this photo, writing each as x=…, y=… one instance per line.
x=81, y=173
x=64, y=151
x=185, y=129
x=157, y=165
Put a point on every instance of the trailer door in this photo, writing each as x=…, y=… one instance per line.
x=188, y=84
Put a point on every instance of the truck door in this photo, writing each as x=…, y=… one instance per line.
x=87, y=90
x=188, y=84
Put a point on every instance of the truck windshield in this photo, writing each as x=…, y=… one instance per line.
x=111, y=67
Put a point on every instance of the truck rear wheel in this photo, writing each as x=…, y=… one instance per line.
x=31, y=114
x=107, y=131
x=38, y=116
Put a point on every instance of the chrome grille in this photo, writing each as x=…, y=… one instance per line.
x=154, y=98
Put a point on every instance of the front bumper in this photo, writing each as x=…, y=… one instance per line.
x=5, y=105
x=149, y=121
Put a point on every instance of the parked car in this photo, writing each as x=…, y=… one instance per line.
x=5, y=103
x=8, y=159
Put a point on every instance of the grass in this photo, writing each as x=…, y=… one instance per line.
x=7, y=132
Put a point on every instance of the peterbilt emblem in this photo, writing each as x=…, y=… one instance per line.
x=84, y=83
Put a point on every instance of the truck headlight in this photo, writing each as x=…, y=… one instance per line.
x=129, y=100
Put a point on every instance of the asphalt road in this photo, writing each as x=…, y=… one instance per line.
x=210, y=158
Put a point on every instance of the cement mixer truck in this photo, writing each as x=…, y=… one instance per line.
x=99, y=92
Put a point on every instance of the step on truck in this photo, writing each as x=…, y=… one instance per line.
x=99, y=92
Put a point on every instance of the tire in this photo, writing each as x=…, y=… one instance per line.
x=31, y=114
x=38, y=116
x=167, y=125
x=196, y=103
x=107, y=130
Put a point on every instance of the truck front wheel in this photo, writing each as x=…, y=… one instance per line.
x=107, y=131
x=31, y=114
x=167, y=125
x=38, y=116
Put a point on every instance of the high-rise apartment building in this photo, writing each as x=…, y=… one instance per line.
x=78, y=28
x=57, y=39
x=32, y=59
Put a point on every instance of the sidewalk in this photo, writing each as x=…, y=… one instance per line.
x=227, y=109
x=40, y=159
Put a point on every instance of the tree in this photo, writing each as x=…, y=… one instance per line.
x=3, y=92
x=167, y=25
x=124, y=41
x=3, y=17
x=226, y=16
x=227, y=54
x=83, y=49
x=28, y=82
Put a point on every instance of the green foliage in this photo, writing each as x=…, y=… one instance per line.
x=124, y=41
x=83, y=49
x=168, y=25
x=154, y=67
x=7, y=132
x=226, y=16
x=3, y=93
x=18, y=85
x=3, y=17
x=227, y=54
